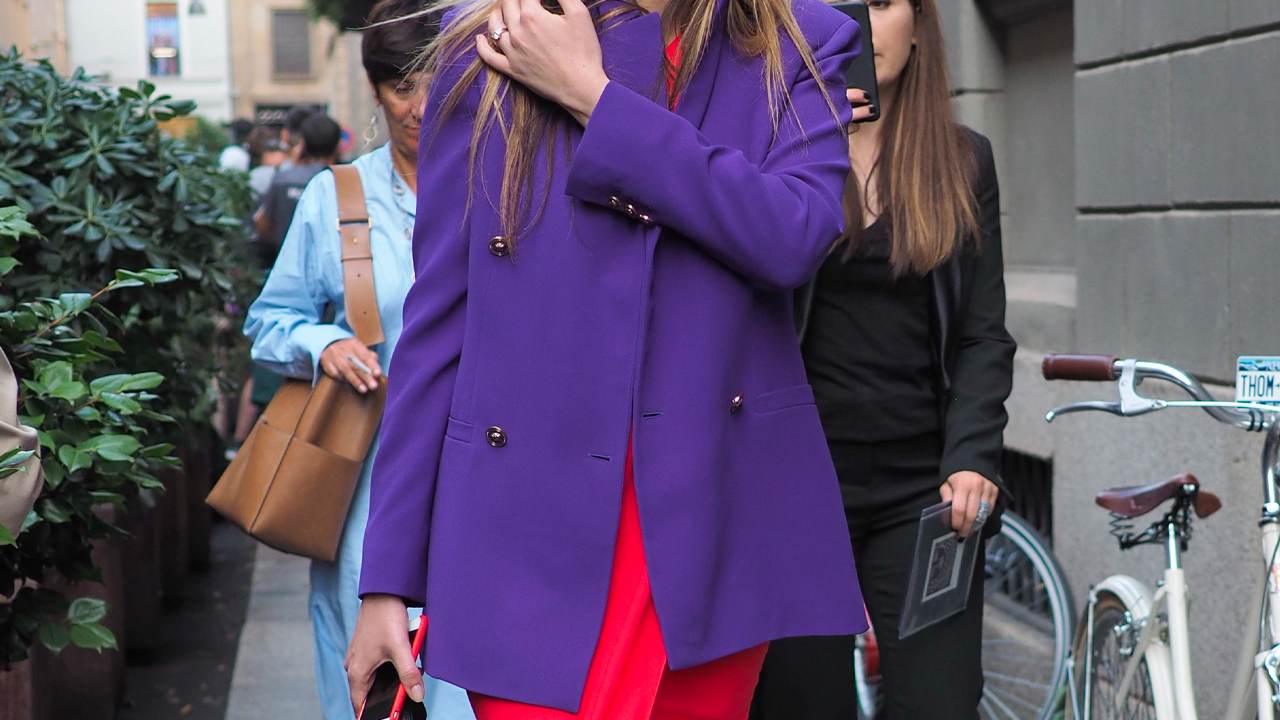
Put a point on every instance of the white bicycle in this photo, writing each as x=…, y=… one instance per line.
x=1131, y=658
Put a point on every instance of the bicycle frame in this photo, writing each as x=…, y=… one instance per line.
x=1169, y=660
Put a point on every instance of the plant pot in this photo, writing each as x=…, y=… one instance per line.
x=174, y=547
x=23, y=695
x=142, y=602
x=196, y=467
x=86, y=683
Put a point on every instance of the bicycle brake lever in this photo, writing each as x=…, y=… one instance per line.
x=1131, y=403
x=1107, y=407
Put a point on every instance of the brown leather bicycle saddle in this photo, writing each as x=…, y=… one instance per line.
x=1131, y=502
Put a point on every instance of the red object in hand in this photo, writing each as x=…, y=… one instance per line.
x=398, y=706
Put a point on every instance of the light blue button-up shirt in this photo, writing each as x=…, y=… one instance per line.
x=286, y=322
x=288, y=328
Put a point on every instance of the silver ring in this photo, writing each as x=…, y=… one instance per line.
x=984, y=512
x=496, y=35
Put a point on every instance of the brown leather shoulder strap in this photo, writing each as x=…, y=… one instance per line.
x=357, y=256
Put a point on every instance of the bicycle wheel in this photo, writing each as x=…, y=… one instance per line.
x=1114, y=640
x=1026, y=625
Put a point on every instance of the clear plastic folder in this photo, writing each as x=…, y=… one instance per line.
x=941, y=572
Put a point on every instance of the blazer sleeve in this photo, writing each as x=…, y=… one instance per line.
x=424, y=365
x=774, y=222
x=982, y=373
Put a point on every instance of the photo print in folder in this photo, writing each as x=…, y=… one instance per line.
x=941, y=572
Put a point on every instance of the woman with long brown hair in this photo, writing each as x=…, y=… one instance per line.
x=602, y=472
x=905, y=344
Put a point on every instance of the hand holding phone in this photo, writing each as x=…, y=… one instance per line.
x=381, y=701
x=387, y=699
x=860, y=76
x=383, y=696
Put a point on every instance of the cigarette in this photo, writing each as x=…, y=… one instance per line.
x=359, y=365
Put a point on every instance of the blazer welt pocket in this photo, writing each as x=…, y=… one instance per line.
x=459, y=430
x=783, y=398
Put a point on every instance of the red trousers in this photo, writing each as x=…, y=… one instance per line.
x=629, y=678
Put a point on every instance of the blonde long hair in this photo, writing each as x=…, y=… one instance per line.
x=926, y=169
x=755, y=28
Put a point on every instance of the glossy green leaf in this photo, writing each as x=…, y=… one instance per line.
x=112, y=447
x=123, y=403
x=74, y=459
x=16, y=456
x=54, y=636
x=86, y=610
x=71, y=391
x=93, y=637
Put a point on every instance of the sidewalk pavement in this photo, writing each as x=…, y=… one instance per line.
x=274, y=672
x=184, y=670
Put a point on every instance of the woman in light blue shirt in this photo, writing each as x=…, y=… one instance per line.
x=293, y=334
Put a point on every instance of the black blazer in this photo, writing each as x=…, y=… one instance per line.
x=973, y=350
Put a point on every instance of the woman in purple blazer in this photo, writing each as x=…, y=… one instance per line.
x=604, y=264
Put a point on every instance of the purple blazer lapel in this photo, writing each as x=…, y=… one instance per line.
x=633, y=49
x=693, y=103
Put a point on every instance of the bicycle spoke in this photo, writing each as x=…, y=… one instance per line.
x=992, y=700
x=1026, y=624
x=1016, y=680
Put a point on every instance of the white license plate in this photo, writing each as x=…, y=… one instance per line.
x=1258, y=379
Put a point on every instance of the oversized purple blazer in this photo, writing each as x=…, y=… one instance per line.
x=519, y=377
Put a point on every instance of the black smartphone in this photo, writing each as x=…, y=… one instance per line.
x=861, y=73
x=383, y=694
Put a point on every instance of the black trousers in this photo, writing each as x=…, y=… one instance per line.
x=935, y=674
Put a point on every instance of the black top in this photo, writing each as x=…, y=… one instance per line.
x=280, y=202
x=976, y=372
x=869, y=349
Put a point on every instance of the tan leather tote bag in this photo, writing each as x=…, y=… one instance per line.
x=292, y=481
x=19, y=490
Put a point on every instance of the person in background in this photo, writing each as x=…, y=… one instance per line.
x=291, y=133
x=266, y=153
x=235, y=156
x=320, y=138
x=905, y=344
x=292, y=336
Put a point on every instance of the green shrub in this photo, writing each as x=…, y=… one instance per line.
x=208, y=136
x=93, y=430
x=105, y=188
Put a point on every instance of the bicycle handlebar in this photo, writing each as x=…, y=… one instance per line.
x=1132, y=372
x=1128, y=374
x=1079, y=367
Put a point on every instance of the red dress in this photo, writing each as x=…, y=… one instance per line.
x=629, y=678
